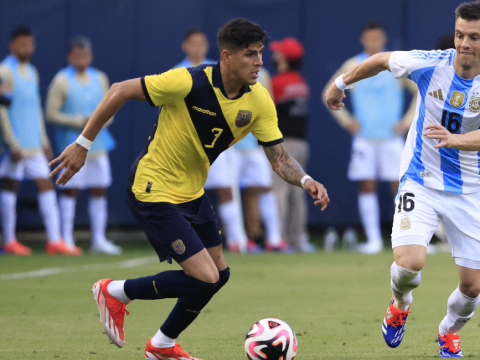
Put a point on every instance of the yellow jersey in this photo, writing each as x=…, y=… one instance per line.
x=197, y=122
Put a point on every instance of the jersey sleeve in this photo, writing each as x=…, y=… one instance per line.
x=266, y=130
x=166, y=88
x=404, y=63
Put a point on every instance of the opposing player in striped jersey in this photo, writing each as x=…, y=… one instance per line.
x=436, y=181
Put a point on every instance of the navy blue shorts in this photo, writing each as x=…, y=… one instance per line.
x=177, y=231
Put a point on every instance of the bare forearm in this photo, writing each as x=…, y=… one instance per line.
x=467, y=142
x=368, y=68
x=284, y=165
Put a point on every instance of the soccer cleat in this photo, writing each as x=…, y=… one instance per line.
x=449, y=346
x=105, y=246
x=16, y=248
x=61, y=247
x=283, y=247
x=393, y=326
x=171, y=353
x=253, y=247
x=112, y=312
x=370, y=248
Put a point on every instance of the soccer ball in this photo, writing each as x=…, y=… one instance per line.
x=271, y=339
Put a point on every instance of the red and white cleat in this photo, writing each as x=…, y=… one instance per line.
x=171, y=353
x=112, y=312
x=16, y=248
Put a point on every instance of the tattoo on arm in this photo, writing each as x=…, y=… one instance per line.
x=284, y=165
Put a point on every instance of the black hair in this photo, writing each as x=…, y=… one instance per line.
x=468, y=11
x=373, y=25
x=237, y=34
x=21, y=30
x=193, y=31
x=79, y=42
x=294, y=64
x=446, y=41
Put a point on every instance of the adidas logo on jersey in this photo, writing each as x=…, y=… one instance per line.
x=437, y=94
x=208, y=112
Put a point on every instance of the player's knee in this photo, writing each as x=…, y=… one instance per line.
x=471, y=290
x=404, y=279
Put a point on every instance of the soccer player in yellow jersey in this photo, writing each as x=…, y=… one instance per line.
x=205, y=110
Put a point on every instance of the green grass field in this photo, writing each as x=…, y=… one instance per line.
x=334, y=302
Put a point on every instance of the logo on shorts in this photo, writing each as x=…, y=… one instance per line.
x=405, y=223
x=244, y=117
x=178, y=246
x=474, y=105
x=456, y=100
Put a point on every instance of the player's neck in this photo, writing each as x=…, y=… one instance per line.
x=230, y=82
x=464, y=72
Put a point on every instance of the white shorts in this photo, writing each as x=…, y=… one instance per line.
x=29, y=167
x=253, y=168
x=375, y=160
x=220, y=173
x=418, y=211
x=96, y=173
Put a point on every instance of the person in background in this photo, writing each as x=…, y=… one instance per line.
x=378, y=129
x=28, y=146
x=291, y=94
x=255, y=178
x=195, y=46
x=72, y=96
x=4, y=101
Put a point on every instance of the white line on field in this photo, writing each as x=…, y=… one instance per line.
x=68, y=269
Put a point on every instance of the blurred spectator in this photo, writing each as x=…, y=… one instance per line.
x=72, y=96
x=377, y=127
x=24, y=133
x=291, y=94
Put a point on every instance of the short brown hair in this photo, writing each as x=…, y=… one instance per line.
x=236, y=34
x=468, y=11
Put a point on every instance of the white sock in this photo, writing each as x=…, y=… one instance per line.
x=8, y=203
x=115, y=288
x=47, y=203
x=403, y=281
x=67, y=214
x=267, y=205
x=370, y=215
x=97, y=209
x=229, y=214
x=460, y=310
x=162, y=341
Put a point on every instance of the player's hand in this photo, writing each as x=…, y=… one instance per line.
x=334, y=97
x=354, y=126
x=16, y=155
x=318, y=192
x=436, y=131
x=47, y=150
x=72, y=159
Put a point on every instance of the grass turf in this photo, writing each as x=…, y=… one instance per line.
x=334, y=302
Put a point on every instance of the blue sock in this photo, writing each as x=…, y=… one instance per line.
x=188, y=308
x=167, y=284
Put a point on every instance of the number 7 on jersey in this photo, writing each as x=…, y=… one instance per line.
x=217, y=132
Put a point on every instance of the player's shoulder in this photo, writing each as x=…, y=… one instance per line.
x=427, y=57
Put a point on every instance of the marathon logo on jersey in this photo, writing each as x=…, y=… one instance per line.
x=178, y=246
x=456, y=100
x=244, y=117
x=208, y=112
x=474, y=105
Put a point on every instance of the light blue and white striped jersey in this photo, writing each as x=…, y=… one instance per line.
x=443, y=98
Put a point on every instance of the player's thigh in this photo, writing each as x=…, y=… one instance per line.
x=389, y=155
x=170, y=233
x=416, y=215
x=10, y=169
x=256, y=171
x=98, y=171
x=362, y=161
x=216, y=253
x=218, y=174
x=201, y=266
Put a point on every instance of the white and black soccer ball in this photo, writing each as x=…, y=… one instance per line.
x=271, y=339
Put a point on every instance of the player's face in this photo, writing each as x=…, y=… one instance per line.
x=373, y=41
x=467, y=42
x=23, y=47
x=80, y=58
x=245, y=63
x=196, y=47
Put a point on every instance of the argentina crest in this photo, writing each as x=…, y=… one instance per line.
x=244, y=117
x=456, y=100
x=474, y=105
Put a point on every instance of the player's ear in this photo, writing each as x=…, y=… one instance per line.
x=225, y=56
